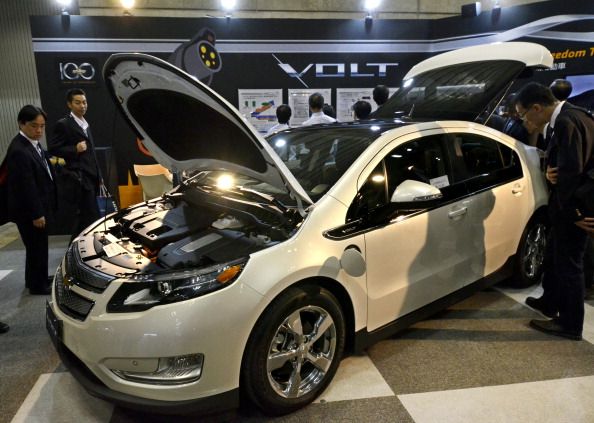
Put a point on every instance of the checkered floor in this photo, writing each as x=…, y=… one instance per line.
x=477, y=361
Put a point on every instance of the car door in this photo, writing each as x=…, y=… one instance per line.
x=417, y=256
x=499, y=204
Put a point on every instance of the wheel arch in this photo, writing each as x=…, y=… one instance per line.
x=333, y=287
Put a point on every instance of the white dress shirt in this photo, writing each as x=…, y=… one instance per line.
x=277, y=128
x=318, y=117
x=81, y=122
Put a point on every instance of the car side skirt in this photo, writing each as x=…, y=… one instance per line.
x=364, y=339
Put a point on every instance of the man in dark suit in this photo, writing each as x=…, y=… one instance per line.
x=72, y=140
x=569, y=155
x=31, y=195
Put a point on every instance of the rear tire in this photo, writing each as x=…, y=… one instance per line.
x=294, y=350
x=530, y=254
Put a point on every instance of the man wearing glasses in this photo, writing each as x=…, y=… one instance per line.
x=569, y=155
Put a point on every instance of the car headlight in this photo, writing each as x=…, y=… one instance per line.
x=145, y=291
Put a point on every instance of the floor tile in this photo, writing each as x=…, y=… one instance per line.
x=544, y=402
x=58, y=398
x=356, y=378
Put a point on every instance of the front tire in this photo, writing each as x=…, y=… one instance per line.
x=294, y=350
x=530, y=255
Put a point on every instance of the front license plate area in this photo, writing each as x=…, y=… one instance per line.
x=53, y=325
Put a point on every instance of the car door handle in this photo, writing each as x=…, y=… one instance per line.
x=457, y=213
x=517, y=189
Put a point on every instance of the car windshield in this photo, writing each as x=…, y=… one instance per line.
x=318, y=157
x=460, y=91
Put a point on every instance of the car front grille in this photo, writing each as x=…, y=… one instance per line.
x=69, y=301
x=82, y=275
x=75, y=272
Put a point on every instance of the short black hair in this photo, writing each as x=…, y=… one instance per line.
x=362, y=109
x=329, y=110
x=535, y=93
x=381, y=94
x=316, y=101
x=561, y=89
x=29, y=113
x=72, y=92
x=283, y=113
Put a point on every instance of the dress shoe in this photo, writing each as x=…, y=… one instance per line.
x=538, y=304
x=553, y=327
x=43, y=291
x=4, y=327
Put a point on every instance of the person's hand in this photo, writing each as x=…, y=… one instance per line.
x=551, y=174
x=587, y=224
x=39, y=223
x=81, y=146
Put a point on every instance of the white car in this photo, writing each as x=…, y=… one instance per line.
x=274, y=257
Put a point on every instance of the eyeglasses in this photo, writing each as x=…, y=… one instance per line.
x=526, y=110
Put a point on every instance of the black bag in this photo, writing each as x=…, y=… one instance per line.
x=105, y=202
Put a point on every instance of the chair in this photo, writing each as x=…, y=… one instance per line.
x=154, y=179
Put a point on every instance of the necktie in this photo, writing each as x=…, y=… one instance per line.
x=40, y=151
x=550, y=130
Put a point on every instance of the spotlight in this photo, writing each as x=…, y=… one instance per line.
x=127, y=5
x=228, y=4
x=372, y=4
x=65, y=6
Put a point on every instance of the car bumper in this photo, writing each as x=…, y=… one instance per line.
x=212, y=327
x=211, y=404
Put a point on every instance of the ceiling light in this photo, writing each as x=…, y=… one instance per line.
x=228, y=4
x=372, y=4
x=127, y=4
x=65, y=5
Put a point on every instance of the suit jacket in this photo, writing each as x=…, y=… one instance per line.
x=29, y=191
x=570, y=149
x=82, y=166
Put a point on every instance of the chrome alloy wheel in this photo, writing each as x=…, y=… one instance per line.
x=301, y=352
x=534, y=249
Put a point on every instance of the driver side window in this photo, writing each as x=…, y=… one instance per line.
x=424, y=160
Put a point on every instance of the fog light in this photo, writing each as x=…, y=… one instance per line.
x=170, y=371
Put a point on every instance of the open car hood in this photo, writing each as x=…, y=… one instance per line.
x=464, y=84
x=188, y=126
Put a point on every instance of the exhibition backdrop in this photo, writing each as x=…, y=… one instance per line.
x=257, y=64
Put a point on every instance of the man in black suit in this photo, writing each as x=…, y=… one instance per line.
x=72, y=140
x=31, y=195
x=569, y=155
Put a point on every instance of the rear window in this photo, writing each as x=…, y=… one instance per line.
x=452, y=92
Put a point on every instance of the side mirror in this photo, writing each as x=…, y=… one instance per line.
x=415, y=195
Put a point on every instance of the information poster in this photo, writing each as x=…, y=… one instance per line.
x=346, y=97
x=259, y=107
x=299, y=103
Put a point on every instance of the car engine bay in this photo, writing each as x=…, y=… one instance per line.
x=190, y=227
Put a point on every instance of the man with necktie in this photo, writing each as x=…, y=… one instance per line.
x=569, y=156
x=30, y=193
x=72, y=140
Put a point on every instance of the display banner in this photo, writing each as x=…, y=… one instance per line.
x=239, y=56
x=299, y=103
